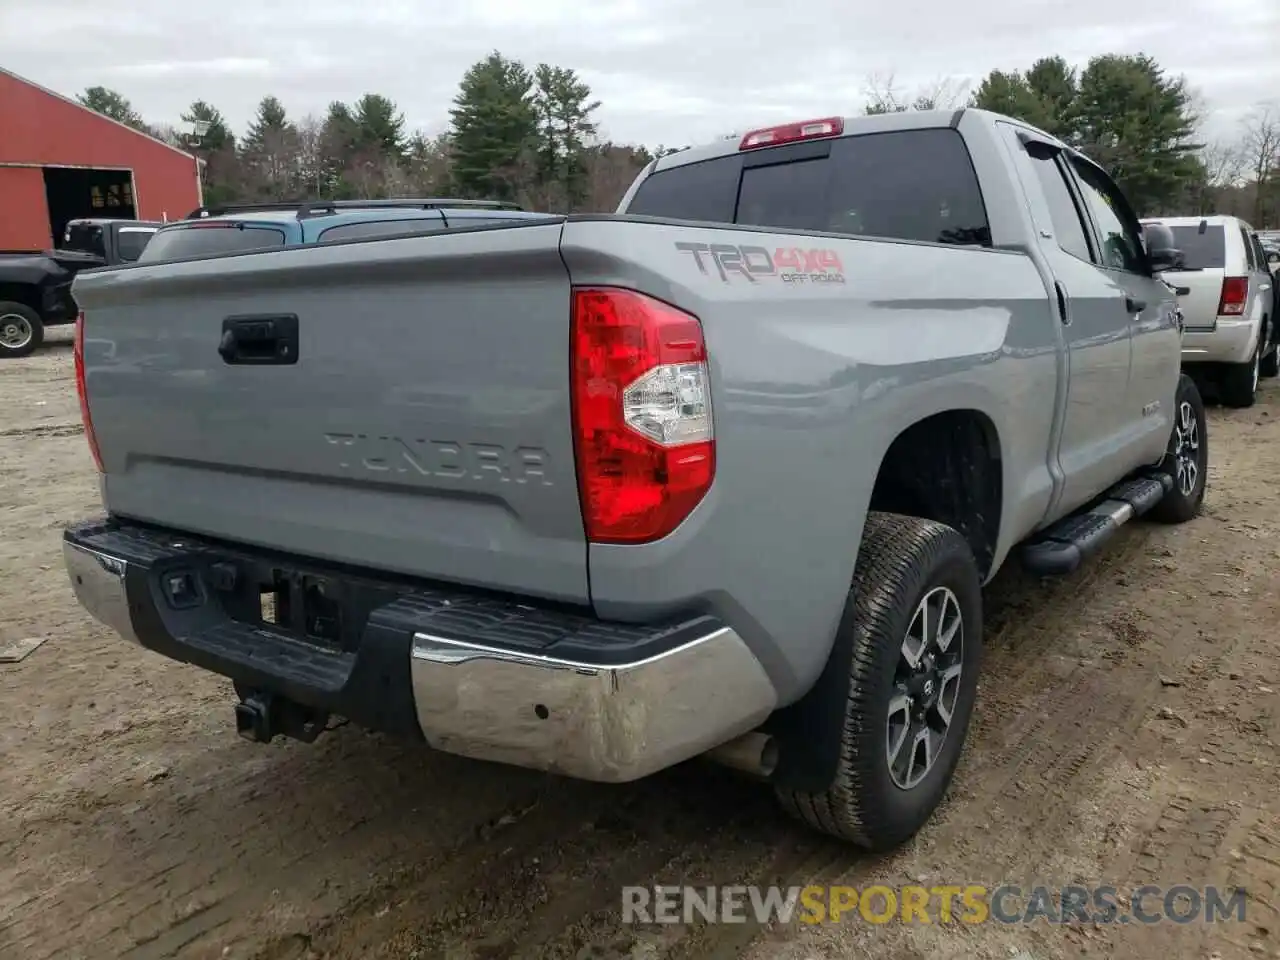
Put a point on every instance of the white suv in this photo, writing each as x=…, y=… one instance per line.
x=1226, y=300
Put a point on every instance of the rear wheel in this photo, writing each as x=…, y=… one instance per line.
x=20, y=329
x=914, y=622
x=1187, y=460
x=1240, y=380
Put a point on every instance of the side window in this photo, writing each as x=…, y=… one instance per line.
x=1250, y=258
x=907, y=185
x=208, y=239
x=695, y=191
x=1117, y=227
x=368, y=229
x=130, y=243
x=1068, y=225
x=1259, y=255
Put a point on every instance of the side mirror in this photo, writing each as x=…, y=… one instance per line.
x=1162, y=253
x=1166, y=258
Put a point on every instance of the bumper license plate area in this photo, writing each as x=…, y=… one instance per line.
x=308, y=606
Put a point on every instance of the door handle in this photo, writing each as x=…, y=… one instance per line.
x=1134, y=304
x=1064, y=303
x=262, y=339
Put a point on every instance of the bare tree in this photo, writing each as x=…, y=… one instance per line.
x=311, y=160
x=428, y=166
x=610, y=170
x=1217, y=190
x=1224, y=163
x=883, y=96
x=944, y=93
x=1261, y=146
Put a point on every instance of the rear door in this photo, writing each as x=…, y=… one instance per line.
x=1259, y=276
x=1095, y=326
x=1146, y=415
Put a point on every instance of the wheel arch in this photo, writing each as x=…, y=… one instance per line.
x=949, y=467
x=958, y=452
x=27, y=294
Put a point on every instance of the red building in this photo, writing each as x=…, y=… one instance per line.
x=60, y=161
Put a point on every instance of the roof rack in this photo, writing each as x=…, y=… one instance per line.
x=311, y=208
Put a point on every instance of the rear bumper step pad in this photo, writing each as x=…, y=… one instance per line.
x=492, y=678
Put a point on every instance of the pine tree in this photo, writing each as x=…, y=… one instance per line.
x=493, y=125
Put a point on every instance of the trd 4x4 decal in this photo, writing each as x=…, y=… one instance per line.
x=789, y=264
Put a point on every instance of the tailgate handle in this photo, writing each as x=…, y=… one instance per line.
x=261, y=339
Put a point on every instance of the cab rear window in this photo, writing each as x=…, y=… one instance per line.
x=905, y=185
x=131, y=243
x=86, y=238
x=206, y=240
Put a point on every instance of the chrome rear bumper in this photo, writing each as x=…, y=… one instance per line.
x=693, y=686
x=98, y=582
x=611, y=723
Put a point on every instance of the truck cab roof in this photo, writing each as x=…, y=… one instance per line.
x=842, y=126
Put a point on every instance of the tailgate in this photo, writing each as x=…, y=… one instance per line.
x=400, y=405
x=1200, y=304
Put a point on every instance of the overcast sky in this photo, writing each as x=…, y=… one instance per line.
x=667, y=71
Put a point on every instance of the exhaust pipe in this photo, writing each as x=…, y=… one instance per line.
x=754, y=753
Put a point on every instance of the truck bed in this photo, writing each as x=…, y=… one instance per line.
x=420, y=426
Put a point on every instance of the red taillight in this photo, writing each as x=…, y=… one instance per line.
x=1235, y=294
x=84, y=397
x=790, y=132
x=642, y=414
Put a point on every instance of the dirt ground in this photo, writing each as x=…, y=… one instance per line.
x=1126, y=732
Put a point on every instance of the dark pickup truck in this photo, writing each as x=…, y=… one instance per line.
x=35, y=287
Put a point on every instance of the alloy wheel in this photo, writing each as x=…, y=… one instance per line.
x=926, y=687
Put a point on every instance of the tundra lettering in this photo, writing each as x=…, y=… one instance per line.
x=440, y=458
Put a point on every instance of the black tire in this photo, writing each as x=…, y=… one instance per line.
x=1269, y=366
x=1240, y=380
x=13, y=318
x=1184, y=501
x=902, y=561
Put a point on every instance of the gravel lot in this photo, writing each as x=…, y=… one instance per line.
x=1126, y=732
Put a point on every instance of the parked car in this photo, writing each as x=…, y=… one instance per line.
x=1228, y=309
x=243, y=227
x=721, y=474
x=1271, y=248
x=35, y=287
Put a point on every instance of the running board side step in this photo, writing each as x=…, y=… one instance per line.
x=1062, y=547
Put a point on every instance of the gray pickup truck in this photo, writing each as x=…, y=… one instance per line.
x=721, y=474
